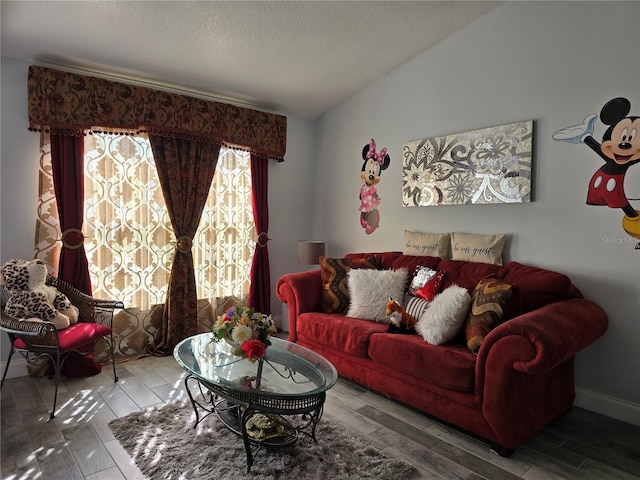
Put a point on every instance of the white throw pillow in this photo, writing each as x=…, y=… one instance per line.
x=370, y=291
x=445, y=315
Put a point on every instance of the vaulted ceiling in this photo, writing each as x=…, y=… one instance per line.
x=298, y=57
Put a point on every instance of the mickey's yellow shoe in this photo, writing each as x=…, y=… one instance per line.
x=631, y=225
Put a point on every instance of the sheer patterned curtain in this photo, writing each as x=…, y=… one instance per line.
x=47, y=247
x=223, y=251
x=130, y=242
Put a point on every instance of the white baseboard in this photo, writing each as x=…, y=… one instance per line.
x=17, y=368
x=609, y=406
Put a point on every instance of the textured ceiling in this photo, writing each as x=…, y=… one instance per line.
x=297, y=58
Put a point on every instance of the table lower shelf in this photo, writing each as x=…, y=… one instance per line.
x=229, y=414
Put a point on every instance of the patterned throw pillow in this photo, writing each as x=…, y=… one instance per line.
x=489, y=299
x=414, y=306
x=420, y=277
x=333, y=272
x=431, y=288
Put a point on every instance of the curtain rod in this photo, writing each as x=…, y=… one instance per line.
x=156, y=85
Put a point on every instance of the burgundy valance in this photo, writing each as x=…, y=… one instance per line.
x=72, y=104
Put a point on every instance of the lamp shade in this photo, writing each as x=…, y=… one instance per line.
x=310, y=251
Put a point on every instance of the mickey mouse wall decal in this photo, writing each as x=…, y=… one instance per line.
x=372, y=168
x=620, y=149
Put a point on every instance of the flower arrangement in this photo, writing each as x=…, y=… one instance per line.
x=246, y=329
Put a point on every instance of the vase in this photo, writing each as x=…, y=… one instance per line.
x=231, y=343
x=233, y=346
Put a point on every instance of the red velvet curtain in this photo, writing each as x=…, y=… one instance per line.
x=260, y=289
x=185, y=169
x=67, y=160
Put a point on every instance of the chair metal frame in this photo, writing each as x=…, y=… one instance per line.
x=41, y=338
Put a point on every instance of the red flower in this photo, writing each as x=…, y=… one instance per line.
x=253, y=349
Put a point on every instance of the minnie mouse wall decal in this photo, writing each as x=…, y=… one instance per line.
x=620, y=149
x=372, y=168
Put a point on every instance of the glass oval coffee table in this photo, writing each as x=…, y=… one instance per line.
x=290, y=380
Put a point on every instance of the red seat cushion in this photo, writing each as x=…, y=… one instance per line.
x=76, y=336
x=349, y=335
x=451, y=366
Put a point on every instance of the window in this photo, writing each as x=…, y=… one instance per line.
x=129, y=239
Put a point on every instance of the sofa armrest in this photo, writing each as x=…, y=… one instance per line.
x=303, y=293
x=556, y=333
x=524, y=369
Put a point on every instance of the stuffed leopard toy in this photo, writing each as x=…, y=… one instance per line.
x=30, y=297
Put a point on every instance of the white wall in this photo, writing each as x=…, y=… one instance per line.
x=552, y=62
x=18, y=165
x=290, y=186
x=289, y=220
x=18, y=178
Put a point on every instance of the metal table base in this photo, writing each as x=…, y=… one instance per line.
x=234, y=413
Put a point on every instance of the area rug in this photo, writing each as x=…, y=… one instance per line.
x=164, y=445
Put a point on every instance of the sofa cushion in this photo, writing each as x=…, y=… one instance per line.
x=76, y=336
x=490, y=299
x=333, y=272
x=538, y=287
x=450, y=366
x=350, y=335
x=467, y=274
x=385, y=257
x=370, y=291
x=410, y=262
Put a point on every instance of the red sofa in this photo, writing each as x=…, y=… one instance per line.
x=521, y=379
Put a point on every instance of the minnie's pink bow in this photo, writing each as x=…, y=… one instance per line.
x=372, y=152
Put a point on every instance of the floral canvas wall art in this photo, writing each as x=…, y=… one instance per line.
x=486, y=166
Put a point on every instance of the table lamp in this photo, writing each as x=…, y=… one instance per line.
x=310, y=251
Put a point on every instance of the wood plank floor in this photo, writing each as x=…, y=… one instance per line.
x=78, y=444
